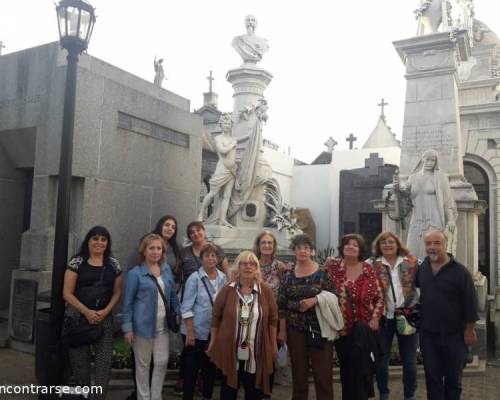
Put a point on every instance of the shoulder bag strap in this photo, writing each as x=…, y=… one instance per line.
x=390, y=281
x=206, y=288
x=167, y=308
x=101, y=280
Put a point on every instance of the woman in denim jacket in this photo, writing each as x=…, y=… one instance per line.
x=196, y=309
x=144, y=322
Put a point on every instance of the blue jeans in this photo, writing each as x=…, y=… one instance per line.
x=408, y=353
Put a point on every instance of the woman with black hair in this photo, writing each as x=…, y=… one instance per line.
x=166, y=227
x=92, y=287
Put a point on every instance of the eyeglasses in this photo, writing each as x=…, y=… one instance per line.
x=248, y=264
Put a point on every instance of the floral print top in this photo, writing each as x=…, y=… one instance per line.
x=360, y=300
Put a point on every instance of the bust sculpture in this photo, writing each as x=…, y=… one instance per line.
x=433, y=204
x=430, y=14
x=250, y=47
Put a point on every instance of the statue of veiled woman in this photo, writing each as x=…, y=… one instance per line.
x=433, y=204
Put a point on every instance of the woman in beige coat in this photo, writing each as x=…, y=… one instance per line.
x=243, y=335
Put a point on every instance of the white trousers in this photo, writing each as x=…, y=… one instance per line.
x=143, y=349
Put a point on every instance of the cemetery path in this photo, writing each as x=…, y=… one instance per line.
x=18, y=368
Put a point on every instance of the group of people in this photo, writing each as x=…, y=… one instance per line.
x=235, y=318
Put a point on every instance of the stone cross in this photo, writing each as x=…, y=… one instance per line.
x=210, y=80
x=382, y=104
x=373, y=163
x=351, y=139
x=1, y=47
x=330, y=144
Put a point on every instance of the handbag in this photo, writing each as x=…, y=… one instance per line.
x=77, y=331
x=314, y=340
x=170, y=316
x=402, y=314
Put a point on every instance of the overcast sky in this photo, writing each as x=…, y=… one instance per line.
x=332, y=61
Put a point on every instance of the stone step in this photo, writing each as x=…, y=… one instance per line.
x=122, y=379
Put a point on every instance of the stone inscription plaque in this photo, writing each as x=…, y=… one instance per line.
x=23, y=310
x=424, y=139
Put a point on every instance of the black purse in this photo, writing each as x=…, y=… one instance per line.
x=170, y=316
x=314, y=340
x=77, y=331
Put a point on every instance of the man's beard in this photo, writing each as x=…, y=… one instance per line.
x=434, y=257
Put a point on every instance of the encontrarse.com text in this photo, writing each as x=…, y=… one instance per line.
x=55, y=390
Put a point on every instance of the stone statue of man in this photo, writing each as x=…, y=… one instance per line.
x=159, y=73
x=250, y=46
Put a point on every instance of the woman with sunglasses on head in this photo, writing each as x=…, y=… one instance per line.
x=244, y=315
x=92, y=287
x=397, y=272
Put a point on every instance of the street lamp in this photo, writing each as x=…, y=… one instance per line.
x=76, y=19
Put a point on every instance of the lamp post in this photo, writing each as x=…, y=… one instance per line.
x=76, y=20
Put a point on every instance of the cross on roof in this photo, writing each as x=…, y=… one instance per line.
x=330, y=144
x=351, y=139
x=2, y=46
x=210, y=80
x=373, y=163
x=382, y=104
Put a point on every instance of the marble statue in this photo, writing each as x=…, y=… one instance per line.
x=159, y=73
x=431, y=14
x=433, y=204
x=223, y=180
x=466, y=17
x=250, y=46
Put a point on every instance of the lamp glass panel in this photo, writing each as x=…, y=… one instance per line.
x=84, y=24
x=72, y=21
x=61, y=18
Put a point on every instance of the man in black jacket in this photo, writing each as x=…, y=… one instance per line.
x=448, y=316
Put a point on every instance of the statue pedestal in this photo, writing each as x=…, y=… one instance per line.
x=249, y=83
x=432, y=119
x=236, y=239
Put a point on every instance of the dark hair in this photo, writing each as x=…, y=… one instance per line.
x=172, y=242
x=194, y=224
x=209, y=248
x=302, y=239
x=84, y=247
x=377, y=252
x=256, y=245
x=359, y=240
